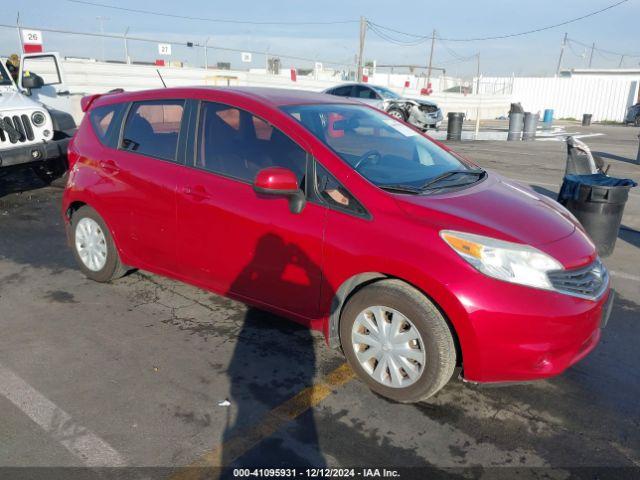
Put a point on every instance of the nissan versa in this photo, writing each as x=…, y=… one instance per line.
x=412, y=260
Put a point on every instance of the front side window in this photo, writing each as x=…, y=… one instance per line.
x=334, y=194
x=386, y=93
x=45, y=66
x=235, y=143
x=382, y=149
x=152, y=128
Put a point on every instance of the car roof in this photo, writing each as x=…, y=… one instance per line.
x=275, y=97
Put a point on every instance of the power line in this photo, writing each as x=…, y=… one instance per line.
x=602, y=50
x=206, y=19
x=510, y=35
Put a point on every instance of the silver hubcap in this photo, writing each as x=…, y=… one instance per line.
x=396, y=114
x=91, y=244
x=388, y=346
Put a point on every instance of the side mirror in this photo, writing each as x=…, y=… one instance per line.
x=32, y=81
x=282, y=182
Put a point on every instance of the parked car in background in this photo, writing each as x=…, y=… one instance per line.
x=418, y=112
x=32, y=134
x=410, y=259
x=633, y=115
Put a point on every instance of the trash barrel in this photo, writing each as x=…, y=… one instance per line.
x=597, y=201
x=530, y=126
x=516, y=122
x=454, y=125
x=586, y=119
x=547, y=119
x=638, y=156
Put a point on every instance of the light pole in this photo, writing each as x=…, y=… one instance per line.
x=101, y=20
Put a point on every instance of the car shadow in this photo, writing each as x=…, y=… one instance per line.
x=19, y=180
x=273, y=360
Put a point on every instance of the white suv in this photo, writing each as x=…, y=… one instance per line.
x=27, y=133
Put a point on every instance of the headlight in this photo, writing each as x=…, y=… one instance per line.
x=38, y=119
x=511, y=262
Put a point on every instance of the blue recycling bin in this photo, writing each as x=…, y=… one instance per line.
x=547, y=119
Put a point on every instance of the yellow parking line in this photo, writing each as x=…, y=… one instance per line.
x=245, y=440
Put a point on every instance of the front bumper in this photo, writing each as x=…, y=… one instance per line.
x=522, y=334
x=34, y=153
x=425, y=120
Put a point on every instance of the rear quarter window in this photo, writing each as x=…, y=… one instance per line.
x=106, y=123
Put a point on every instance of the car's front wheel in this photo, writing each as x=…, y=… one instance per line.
x=397, y=113
x=637, y=122
x=93, y=246
x=397, y=341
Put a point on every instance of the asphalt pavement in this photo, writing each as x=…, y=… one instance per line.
x=149, y=372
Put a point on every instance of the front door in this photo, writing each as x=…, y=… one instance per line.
x=54, y=94
x=236, y=241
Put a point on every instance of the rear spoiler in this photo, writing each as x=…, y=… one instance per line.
x=87, y=101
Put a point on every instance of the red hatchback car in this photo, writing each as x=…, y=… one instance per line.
x=408, y=257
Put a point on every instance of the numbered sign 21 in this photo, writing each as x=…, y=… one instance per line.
x=164, y=48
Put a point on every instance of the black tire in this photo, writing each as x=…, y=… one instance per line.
x=436, y=335
x=113, y=267
x=398, y=113
x=637, y=121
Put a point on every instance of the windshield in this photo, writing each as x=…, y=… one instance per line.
x=384, y=150
x=386, y=93
x=5, y=79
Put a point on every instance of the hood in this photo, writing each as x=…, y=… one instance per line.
x=423, y=102
x=495, y=207
x=13, y=100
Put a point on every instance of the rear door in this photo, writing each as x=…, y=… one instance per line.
x=236, y=241
x=143, y=173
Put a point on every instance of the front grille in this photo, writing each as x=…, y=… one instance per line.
x=586, y=282
x=429, y=108
x=18, y=130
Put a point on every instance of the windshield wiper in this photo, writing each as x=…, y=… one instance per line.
x=479, y=172
x=392, y=187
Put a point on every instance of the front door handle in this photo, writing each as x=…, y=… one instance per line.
x=197, y=193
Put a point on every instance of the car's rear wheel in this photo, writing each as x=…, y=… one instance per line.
x=397, y=341
x=637, y=122
x=93, y=246
x=397, y=113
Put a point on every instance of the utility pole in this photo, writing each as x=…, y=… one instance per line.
x=19, y=33
x=433, y=43
x=593, y=47
x=363, y=34
x=101, y=21
x=621, y=60
x=206, y=55
x=126, y=47
x=478, y=98
x=564, y=44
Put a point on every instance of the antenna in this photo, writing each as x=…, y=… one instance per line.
x=161, y=79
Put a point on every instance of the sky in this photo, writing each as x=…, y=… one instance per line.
x=535, y=54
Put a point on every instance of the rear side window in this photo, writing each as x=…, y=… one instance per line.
x=152, y=128
x=106, y=123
